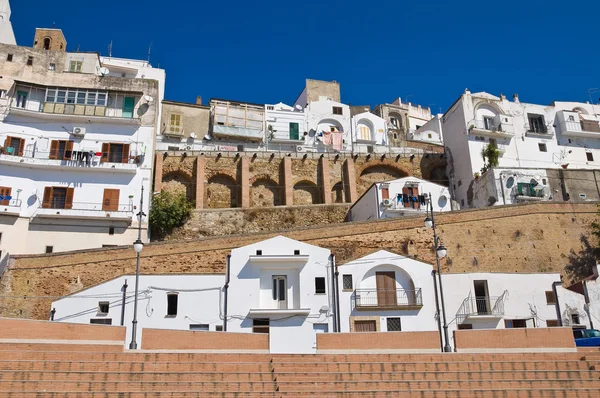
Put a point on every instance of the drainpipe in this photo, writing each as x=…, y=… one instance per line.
x=502, y=187
x=437, y=310
x=337, y=295
x=225, y=290
x=124, y=289
x=557, y=305
x=333, y=292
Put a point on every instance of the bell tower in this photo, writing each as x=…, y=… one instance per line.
x=49, y=39
x=7, y=35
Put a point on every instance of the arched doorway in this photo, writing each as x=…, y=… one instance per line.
x=221, y=192
x=306, y=193
x=264, y=192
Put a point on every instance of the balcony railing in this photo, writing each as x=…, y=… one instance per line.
x=377, y=299
x=9, y=201
x=60, y=208
x=481, y=306
x=583, y=129
x=489, y=128
x=48, y=110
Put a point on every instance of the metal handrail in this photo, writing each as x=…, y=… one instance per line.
x=91, y=158
x=482, y=306
x=387, y=298
x=492, y=125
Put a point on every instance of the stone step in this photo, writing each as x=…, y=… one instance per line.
x=99, y=366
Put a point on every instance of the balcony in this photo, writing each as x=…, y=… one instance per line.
x=481, y=308
x=10, y=206
x=58, y=208
x=490, y=128
x=39, y=159
x=239, y=132
x=528, y=192
x=387, y=299
x=580, y=129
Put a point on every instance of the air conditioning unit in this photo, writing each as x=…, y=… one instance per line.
x=78, y=131
x=300, y=148
x=387, y=203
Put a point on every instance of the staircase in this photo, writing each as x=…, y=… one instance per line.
x=45, y=371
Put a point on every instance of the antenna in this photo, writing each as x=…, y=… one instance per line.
x=149, y=49
x=110, y=49
x=78, y=48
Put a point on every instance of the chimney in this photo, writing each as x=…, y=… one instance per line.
x=199, y=100
x=516, y=98
x=502, y=97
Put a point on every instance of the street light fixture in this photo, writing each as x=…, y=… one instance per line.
x=440, y=252
x=138, y=246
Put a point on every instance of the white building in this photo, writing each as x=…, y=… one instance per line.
x=369, y=133
x=328, y=124
x=288, y=289
x=530, y=139
x=579, y=304
x=77, y=149
x=7, y=35
x=286, y=127
x=430, y=132
x=397, y=198
x=238, y=124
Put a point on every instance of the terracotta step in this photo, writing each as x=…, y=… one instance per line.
x=85, y=348
x=135, y=356
x=453, y=357
x=165, y=377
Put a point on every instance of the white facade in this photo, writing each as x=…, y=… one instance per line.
x=430, y=132
x=369, y=133
x=286, y=127
x=396, y=198
x=577, y=310
x=7, y=35
x=528, y=136
x=76, y=152
x=328, y=117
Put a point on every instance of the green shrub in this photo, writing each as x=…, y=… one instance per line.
x=168, y=211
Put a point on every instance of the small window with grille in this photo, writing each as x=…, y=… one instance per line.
x=347, y=282
x=394, y=325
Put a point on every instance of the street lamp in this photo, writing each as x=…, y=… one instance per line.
x=138, y=246
x=440, y=252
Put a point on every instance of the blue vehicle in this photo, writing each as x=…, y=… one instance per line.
x=587, y=337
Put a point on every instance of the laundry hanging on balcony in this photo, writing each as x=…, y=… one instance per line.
x=327, y=137
x=338, y=140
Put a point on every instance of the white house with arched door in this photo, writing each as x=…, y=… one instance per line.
x=369, y=133
x=328, y=126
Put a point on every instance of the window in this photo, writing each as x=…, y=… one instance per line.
x=75, y=96
x=270, y=108
x=102, y=321
x=394, y=122
x=115, y=153
x=110, y=201
x=75, y=66
x=337, y=110
x=465, y=326
x=575, y=319
x=294, y=131
x=589, y=156
x=62, y=150
x=58, y=198
x=103, y=307
x=260, y=325
x=550, y=298
x=296, y=252
x=200, y=327
x=385, y=192
x=47, y=43
x=489, y=123
x=536, y=123
x=319, y=285
x=429, y=136
x=365, y=326
x=364, y=133
x=418, y=127
x=175, y=123
x=515, y=323
x=394, y=325
x=21, y=99
x=51, y=67
x=542, y=147
x=552, y=323
x=259, y=252
x=49, y=249
x=5, y=197
x=219, y=328
x=172, y=299
x=571, y=118
x=395, y=136
x=544, y=181
x=279, y=291
x=9, y=57
x=172, y=148
x=111, y=230
x=347, y=282
x=2, y=93
x=128, y=107
x=29, y=61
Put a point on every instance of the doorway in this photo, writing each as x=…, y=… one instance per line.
x=280, y=291
x=386, y=289
x=482, y=297
x=365, y=326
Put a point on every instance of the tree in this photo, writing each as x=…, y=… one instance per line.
x=168, y=211
x=490, y=155
x=581, y=263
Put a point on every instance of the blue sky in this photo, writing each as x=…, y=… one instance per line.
x=426, y=51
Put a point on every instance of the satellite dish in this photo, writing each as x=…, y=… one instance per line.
x=207, y=137
x=298, y=107
x=148, y=98
x=193, y=135
x=104, y=71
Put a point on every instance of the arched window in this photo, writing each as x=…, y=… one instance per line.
x=47, y=43
x=364, y=133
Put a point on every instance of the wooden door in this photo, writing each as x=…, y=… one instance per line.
x=110, y=202
x=386, y=289
x=365, y=326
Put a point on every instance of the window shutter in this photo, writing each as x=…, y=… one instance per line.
x=105, y=151
x=7, y=143
x=294, y=131
x=68, y=150
x=416, y=193
x=69, y=199
x=47, y=198
x=385, y=193
x=53, y=150
x=125, y=158
x=405, y=192
x=110, y=202
x=5, y=191
x=21, y=147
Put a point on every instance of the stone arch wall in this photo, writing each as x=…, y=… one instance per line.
x=306, y=192
x=337, y=193
x=221, y=191
x=433, y=168
x=178, y=182
x=264, y=192
x=371, y=173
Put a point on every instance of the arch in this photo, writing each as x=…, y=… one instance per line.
x=263, y=176
x=488, y=106
x=47, y=43
x=178, y=182
x=380, y=172
x=403, y=281
x=329, y=125
x=306, y=193
x=337, y=193
x=398, y=118
x=264, y=192
x=221, y=192
x=580, y=110
x=365, y=130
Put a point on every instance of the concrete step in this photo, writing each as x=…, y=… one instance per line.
x=139, y=356
x=148, y=376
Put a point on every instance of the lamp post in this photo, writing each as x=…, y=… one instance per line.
x=138, y=246
x=440, y=252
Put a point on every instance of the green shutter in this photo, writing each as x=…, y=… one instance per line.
x=128, y=105
x=294, y=131
x=520, y=188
